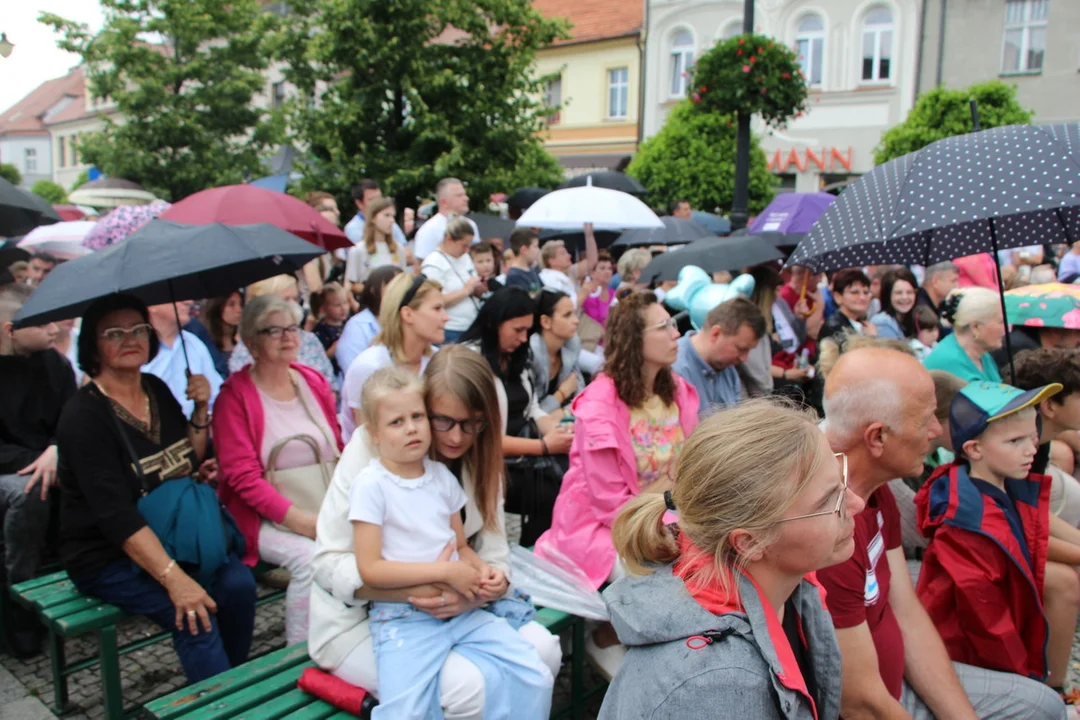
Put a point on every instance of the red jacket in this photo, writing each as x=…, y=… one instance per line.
x=977, y=586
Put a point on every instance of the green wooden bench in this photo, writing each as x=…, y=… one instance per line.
x=265, y=688
x=67, y=613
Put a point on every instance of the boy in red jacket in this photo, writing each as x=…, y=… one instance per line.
x=987, y=517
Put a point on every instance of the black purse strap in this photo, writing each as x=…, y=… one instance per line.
x=126, y=442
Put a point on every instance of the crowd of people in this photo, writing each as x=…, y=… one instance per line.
x=387, y=422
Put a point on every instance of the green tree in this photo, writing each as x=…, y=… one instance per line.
x=410, y=91
x=84, y=177
x=182, y=73
x=942, y=113
x=52, y=193
x=693, y=158
x=10, y=173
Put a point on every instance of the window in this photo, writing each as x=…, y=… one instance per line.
x=1025, y=35
x=278, y=95
x=61, y=152
x=553, y=99
x=682, y=61
x=74, y=144
x=877, y=40
x=30, y=160
x=618, y=93
x=810, y=45
x=732, y=29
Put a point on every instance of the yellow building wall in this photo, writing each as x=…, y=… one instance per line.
x=584, y=125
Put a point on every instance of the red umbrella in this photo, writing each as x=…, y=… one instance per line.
x=69, y=213
x=247, y=204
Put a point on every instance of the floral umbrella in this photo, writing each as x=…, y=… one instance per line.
x=1052, y=305
x=121, y=222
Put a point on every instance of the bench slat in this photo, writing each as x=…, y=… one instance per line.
x=185, y=700
x=39, y=582
x=250, y=697
x=554, y=620
x=43, y=593
x=318, y=710
x=87, y=620
x=70, y=607
x=280, y=706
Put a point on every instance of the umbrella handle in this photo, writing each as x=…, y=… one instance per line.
x=180, y=330
x=1001, y=296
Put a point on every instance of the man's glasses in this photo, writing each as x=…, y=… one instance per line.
x=277, y=332
x=117, y=335
x=441, y=423
x=839, y=509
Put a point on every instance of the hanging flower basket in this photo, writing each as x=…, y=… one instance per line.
x=753, y=75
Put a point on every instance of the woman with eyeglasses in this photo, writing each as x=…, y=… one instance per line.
x=721, y=610
x=277, y=415
x=632, y=421
x=412, y=318
x=465, y=418
x=106, y=545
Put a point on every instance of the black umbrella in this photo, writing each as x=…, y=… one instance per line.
x=575, y=239
x=492, y=226
x=713, y=223
x=19, y=214
x=523, y=198
x=674, y=232
x=608, y=179
x=167, y=262
x=711, y=255
x=10, y=252
x=782, y=240
x=48, y=213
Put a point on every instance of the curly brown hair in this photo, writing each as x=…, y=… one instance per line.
x=1042, y=366
x=623, y=348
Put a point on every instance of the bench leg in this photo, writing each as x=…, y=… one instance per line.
x=58, y=662
x=111, y=693
x=577, y=671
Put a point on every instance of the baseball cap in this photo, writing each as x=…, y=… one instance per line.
x=980, y=403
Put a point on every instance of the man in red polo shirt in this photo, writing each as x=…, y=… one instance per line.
x=879, y=409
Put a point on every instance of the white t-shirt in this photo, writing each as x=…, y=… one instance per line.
x=433, y=232
x=560, y=281
x=364, y=366
x=359, y=264
x=414, y=513
x=451, y=273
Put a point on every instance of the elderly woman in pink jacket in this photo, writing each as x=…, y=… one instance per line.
x=267, y=404
x=632, y=421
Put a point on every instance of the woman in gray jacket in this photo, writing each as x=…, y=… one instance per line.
x=721, y=614
x=556, y=377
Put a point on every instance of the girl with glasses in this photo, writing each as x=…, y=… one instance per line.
x=721, y=609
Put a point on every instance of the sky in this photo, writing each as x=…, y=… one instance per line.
x=36, y=58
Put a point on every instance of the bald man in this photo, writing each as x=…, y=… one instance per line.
x=879, y=410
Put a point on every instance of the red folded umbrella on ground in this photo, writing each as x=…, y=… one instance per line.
x=337, y=692
x=247, y=204
x=69, y=213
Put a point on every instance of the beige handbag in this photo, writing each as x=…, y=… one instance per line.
x=306, y=485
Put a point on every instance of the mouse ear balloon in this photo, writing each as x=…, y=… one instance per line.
x=698, y=295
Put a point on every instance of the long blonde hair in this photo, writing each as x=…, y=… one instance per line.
x=375, y=207
x=391, y=329
x=464, y=375
x=740, y=469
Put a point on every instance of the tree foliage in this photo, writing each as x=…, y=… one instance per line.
x=942, y=113
x=52, y=193
x=693, y=158
x=753, y=75
x=10, y=173
x=84, y=177
x=182, y=74
x=409, y=91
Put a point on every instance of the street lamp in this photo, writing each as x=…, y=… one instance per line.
x=740, y=203
x=6, y=46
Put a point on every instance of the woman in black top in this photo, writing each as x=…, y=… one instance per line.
x=106, y=546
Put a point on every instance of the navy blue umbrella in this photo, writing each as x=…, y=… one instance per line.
x=713, y=223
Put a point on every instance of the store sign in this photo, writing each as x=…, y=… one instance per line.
x=830, y=159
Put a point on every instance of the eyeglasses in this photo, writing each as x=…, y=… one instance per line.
x=669, y=324
x=117, y=335
x=277, y=332
x=441, y=423
x=839, y=509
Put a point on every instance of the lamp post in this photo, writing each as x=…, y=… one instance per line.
x=740, y=212
x=6, y=46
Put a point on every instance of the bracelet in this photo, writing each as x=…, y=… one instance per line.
x=543, y=447
x=196, y=425
x=168, y=569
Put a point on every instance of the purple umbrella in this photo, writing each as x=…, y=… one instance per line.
x=121, y=222
x=792, y=213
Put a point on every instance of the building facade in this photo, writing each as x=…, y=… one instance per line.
x=1032, y=44
x=24, y=133
x=597, y=82
x=859, y=56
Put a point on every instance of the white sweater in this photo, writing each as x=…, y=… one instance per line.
x=339, y=621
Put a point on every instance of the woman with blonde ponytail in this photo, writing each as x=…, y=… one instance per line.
x=721, y=613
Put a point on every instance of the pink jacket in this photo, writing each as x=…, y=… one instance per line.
x=238, y=433
x=602, y=477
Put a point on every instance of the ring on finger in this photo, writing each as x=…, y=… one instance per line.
x=191, y=613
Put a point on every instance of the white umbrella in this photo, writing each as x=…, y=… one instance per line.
x=570, y=208
x=63, y=239
x=111, y=197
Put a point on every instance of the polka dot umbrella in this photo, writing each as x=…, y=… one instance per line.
x=1000, y=188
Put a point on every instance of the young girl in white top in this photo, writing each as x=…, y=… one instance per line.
x=407, y=530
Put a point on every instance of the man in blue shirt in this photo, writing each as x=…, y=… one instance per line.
x=363, y=193
x=707, y=359
x=170, y=364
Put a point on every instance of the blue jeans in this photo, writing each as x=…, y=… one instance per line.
x=452, y=336
x=123, y=584
x=411, y=647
